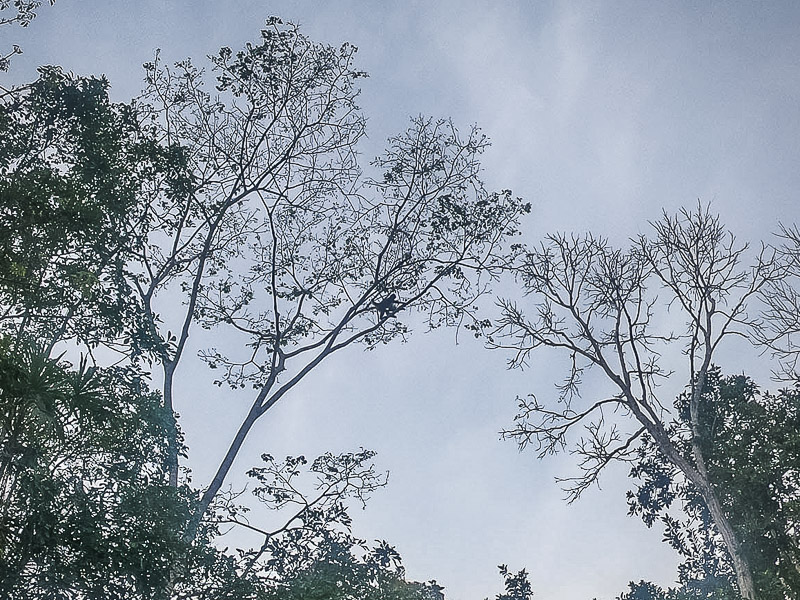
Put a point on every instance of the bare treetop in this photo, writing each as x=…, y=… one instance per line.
x=780, y=327
x=615, y=310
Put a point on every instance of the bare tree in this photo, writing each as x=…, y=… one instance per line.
x=779, y=327
x=266, y=228
x=614, y=310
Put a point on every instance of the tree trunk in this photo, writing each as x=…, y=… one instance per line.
x=698, y=476
x=744, y=577
x=222, y=471
x=172, y=427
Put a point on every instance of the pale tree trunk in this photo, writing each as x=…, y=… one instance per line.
x=172, y=431
x=698, y=476
x=702, y=481
x=744, y=577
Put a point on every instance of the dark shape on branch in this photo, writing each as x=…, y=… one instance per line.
x=387, y=307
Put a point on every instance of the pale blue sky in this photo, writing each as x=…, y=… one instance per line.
x=601, y=114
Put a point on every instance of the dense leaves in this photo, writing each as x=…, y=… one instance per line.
x=85, y=509
x=68, y=187
x=517, y=585
x=751, y=445
x=707, y=589
x=338, y=574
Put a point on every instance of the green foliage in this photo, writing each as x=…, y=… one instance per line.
x=85, y=505
x=251, y=204
x=340, y=575
x=281, y=242
x=517, y=585
x=750, y=445
x=68, y=187
x=85, y=509
x=313, y=552
x=644, y=590
x=696, y=590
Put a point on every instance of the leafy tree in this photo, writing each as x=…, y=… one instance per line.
x=85, y=509
x=69, y=180
x=694, y=590
x=601, y=307
x=644, y=590
x=312, y=552
x=518, y=587
x=310, y=520
x=249, y=204
x=751, y=444
x=276, y=238
x=339, y=575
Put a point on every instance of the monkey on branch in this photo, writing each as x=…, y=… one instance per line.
x=386, y=308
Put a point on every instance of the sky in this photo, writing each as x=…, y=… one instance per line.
x=601, y=114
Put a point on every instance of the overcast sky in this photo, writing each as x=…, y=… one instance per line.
x=601, y=114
